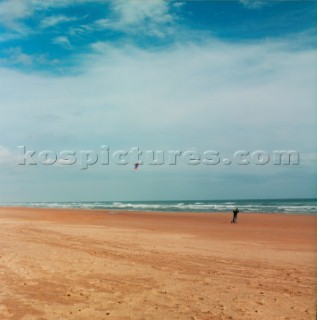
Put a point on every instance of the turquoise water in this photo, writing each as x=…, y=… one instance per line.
x=289, y=206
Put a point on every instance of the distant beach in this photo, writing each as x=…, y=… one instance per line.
x=117, y=264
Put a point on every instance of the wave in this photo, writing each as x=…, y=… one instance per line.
x=271, y=206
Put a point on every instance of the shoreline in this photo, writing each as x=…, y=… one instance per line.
x=79, y=264
x=274, y=206
x=110, y=210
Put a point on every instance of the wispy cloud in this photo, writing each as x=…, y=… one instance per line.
x=52, y=21
x=83, y=29
x=146, y=17
x=63, y=41
x=135, y=12
x=178, y=4
x=16, y=56
x=255, y=4
x=12, y=13
x=138, y=17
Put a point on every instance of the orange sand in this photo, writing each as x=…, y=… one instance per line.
x=81, y=264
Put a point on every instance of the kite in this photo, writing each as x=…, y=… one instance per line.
x=136, y=166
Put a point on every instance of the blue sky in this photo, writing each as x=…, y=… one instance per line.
x=162, y=75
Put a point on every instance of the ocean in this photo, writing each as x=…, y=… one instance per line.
x=287, y=206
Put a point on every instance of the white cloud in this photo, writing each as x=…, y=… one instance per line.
x=255, y=4
x=82, y=29
x=215, y=95
x=14, y=12
x=178, y=4
x=52, y=21
x=212, y=95
x=15, y=56
x=11, y=14
x=7, y=156
x=8, y=36
x=148, y=17
x=63, y=41
x=135, y=12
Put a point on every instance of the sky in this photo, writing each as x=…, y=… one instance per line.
x=212, y=80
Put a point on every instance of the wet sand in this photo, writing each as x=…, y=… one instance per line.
x=82, y=264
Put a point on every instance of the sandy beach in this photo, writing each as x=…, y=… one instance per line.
x=91, y=264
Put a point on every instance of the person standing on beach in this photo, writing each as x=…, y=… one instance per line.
x=235, y=215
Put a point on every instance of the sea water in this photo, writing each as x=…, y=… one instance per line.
x=288, y=206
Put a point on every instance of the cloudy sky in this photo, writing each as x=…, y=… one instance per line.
x=221, y=76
